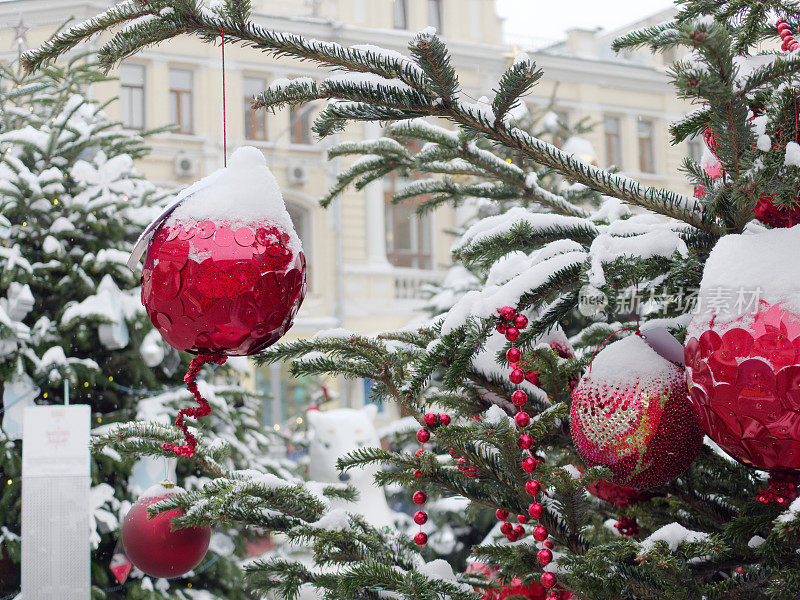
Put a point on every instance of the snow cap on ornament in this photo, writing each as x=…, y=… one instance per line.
x=224, y=270
x=631, y=414
x=743, y=349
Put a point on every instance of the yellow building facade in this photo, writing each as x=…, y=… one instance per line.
x=368, y=261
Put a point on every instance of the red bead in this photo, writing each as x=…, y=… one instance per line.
x=501, y=514
x=444, y=419
x=501, y=328
x=421, y=538
x=512, y=334
x=522, y=419
x=513, y=355
x=520, y=321
x=516, y=376
x=533, y=487
x=210, y=287
x=472, y=472
x=419, y=497
x=423, y=436
x=417, y=473
x=507, y=312
x=529, y=464
x=506, y=528
x=523, y=519
x=155, y=548
x=420, y=517
x=519, y=398
x=548, y=544
x=453, y=452
x=548, y=579
x=539, y=533
x=525, y=441
x=419, y=452
x=519, y=531
x=535, y=510
x=532, y=377
x=462, y=463
x=431, y=419
x=544, y=556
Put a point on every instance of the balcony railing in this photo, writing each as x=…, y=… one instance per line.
x=410, y=284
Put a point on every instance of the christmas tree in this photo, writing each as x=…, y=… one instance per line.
x=537, y=398
x=72, y=205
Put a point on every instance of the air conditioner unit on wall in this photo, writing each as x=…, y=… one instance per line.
x=297, y=174
x=185, y=165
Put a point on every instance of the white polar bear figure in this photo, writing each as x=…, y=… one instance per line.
x=336, y=433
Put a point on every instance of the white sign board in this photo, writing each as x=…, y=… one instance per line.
x=55, y=503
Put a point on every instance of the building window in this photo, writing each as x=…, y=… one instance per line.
x=435, y=14
x=301, y=219
x=300, y=123
x=131, y=96
x=180, y=99
x=408, y=235
x=613, y=127
x=255, y=120
x=401, y=14
x=644, y=132
x=696, y=147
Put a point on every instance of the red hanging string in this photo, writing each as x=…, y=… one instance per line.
x=224, y=116
x=203, y=409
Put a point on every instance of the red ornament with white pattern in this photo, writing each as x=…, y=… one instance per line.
x=631, y=413
x=743, y=349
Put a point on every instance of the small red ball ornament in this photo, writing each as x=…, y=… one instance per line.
x=431, y=419
x=535, y=510
x=512, y=589
x=525, y=441
x=529, y=464
x=618, y=495
x=539, y=533
x=520, y=321
x=516, y=376
x=548, y=579
x=421, y=538
x=152, y=545
x=519, y=398
x=444, y=419
x=548, y=544
x=419, y=497
x=423, y=436
x=507, y=313
x=512, y=334
x=533, y=487
x=506, y=528
x=518, y=531
x=501, y=514
x=420, y=517
x=544, y=556
x=631, y=413
x=523, y=519
x=513, y=355
x=522, y=419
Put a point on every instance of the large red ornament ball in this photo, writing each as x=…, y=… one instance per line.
x=631, y=413
x=226, y=272
x=743, y=359
x=153, y=546
x=618, y=495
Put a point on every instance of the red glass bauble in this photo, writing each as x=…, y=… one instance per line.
x=766, y=212
x=421, y=538
x=745, y=384
x=153, y=546
x=631, y=413
x=216, y=287
x=420, y=517
x=618, y=495
x=423, y=436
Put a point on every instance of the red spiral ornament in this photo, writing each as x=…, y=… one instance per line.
x=202, y=410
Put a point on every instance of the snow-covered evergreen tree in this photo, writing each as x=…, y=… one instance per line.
x=71, y=205
x=703, y=534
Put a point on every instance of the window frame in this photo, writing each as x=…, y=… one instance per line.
x=300, y=127
x=613, y=141
x=254, y=117
x=177, y=95
x=436, y=7
x=416, y=256
x=646, y=146
x=400, y=19
x=140, y=87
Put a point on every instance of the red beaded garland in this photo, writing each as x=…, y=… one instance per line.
x=417, y=473
x=535, y=510
x=431, y=419
x=513, y=355
x=519, y=398
x=501, y=328
x=501, y=514
x=423, y=436
x=523, y=519
x=529, y=464
x=444, y=419
x=420, y=517
x=507, y=312
x=525, y=441
x=419, y=497
x=522, y=419
x=419, y=452
x=512, y=334
x=548, y=544
x=548, y=579
x=520, y=321
x=539, y=533
x=533, y=487
x=519, y=531
x=421, y=538
x=544, y=556
x=506, y=528
x=516, y=376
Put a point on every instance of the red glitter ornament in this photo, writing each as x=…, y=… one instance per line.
x=153, y=546
x=539, y=533
x=420, y=517
x=535, y=510
x=548, y=544
x=618, y=495
x=522, y=419
x=548, y=579
x=533, y=487
x=525, y=441
x=766, y=212
x=513, y=355
x=501, y=328
x=518, y=531
x=529, y=464
x=523, y=519
x=423, y=435
x=631, y=414
x=419, y=497
x=512, y=334
x=431, y=419
x=516, y=376
x=519, y=398
x=520, y=321
x=506, y=528
x=544, y=556
x=444, y=419
x=507, y=313
x=501, y=514
x=421, y=538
